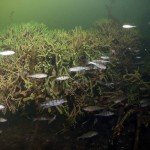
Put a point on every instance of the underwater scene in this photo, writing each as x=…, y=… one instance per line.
x=74, y=74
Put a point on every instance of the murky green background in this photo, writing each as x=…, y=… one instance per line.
x=70, y=13
x=66, y=14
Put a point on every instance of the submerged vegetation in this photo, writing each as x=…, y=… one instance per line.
x=119, y=88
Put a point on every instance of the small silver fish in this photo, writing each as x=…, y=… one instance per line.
x=87, y=135
x=53, y=103
x=92, y=108
x=105, y=114
x=127, y=26
x=78, y=69
x=52, y=119
x=62, y=78
x=7, y=52
x=138, y=57
x=49, y=119
x=105, y=57
x=145, y=102
x=38, y=76
x=101, y=61
x=97, y=65
x=95, y=121
x=2, y=107
x=139, y=63
x=105, y=61
x=119, y=100
x=108, y=85
x=113, y=52
x=3, y=120
x=40, y=119
x=143, y=88
x=137, y=51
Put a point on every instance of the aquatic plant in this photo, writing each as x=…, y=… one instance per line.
x=40, y=50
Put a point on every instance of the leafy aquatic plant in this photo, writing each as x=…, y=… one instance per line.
x=40, y=50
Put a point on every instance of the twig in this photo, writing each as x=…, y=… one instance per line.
x=136, y=142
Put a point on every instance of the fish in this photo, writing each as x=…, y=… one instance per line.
x=49, y=119
x=105, y=57
x=38, y=75
x=1, y=131
x=52, y=119
x=97, y=65
x=139, y=63
x=2, y=107
x=113, y=52
x=105, y=61
x=143, y=88
x=127, y=26
x=78, y=69
x=145, y=102
x=105, y=114
x=92, y=108
x=7, y=52
x=95, y=121
x=136, y=51
x=62, y=78
x=109, y=85
x=101, y=61
x=3, y=120
x=53, y=103
x=119, y=100
x=138, y=57
x=87, y=135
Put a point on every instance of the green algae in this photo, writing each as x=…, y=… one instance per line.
x=41, y=50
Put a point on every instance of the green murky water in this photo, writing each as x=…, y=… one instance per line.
x=39, y=48
x=71, y=13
